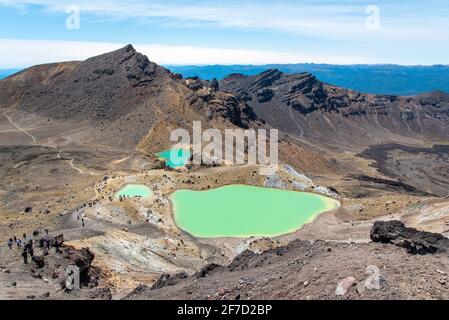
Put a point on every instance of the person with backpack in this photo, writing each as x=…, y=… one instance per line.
x=25, y=255
x=10, y=243
x=29, y=248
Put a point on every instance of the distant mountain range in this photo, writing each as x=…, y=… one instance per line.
x=376, y=79
x=7, y=72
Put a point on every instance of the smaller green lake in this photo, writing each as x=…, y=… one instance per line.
x=175, y=158
x=243, y=211
x=134, y=190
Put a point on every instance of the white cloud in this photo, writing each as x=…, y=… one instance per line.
x=16, y=53
x=331, y=19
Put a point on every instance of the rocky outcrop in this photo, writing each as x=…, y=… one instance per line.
x=228, y=107
x=83, y=259
x=58, y=257
x=267, y=78
x=414, y=241
x=194, y=83
x=168, y=280
x=242, y=261
x=138, y=291
x=205, y=271
x=303, y=91
x=301, y=105
x=264, y=95
x=215, y=85
x=219, y=105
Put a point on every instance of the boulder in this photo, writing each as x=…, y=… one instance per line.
x=83, y=259
x=39, y=261
x=414, y=241
x=168, y=280
x=206, y=270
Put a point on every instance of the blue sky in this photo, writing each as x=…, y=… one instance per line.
x=228, y=32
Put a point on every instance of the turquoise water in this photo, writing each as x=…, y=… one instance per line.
x=243, y=211
x=175, y=158
x=135, y=190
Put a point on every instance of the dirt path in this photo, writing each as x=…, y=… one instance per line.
x=75, y=167
x=20, y=128
x=35, y=141
x=115, y=162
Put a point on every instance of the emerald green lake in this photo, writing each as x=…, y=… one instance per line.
x=175, y=158
x=134, y=190
x=243, y=211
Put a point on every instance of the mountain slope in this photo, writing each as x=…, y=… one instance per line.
x=375, y=79
x=120, y=96
x=120, y=103
x=304, y=270
x=72, y=134
x=333, y=117
x=63, y=125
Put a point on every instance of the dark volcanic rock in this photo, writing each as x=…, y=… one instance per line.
x=168, y=280
x=207, y=270
x=242, y=261
x=267, y=78
x=264, y=95
x=303, y=106
x=392, y=185
x=83, y=259
x=141, y=288
x=237, y=112
x=415, y=241
x=194, y=83
x=431, y=179
x=215, y=85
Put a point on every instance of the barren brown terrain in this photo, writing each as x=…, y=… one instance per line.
x=71, y=134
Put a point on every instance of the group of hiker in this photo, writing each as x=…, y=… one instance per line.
x=28, y=250
x=45, y=242
x=81, y=216
x=15, y=241
x=28, y=244
x=123, y=197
